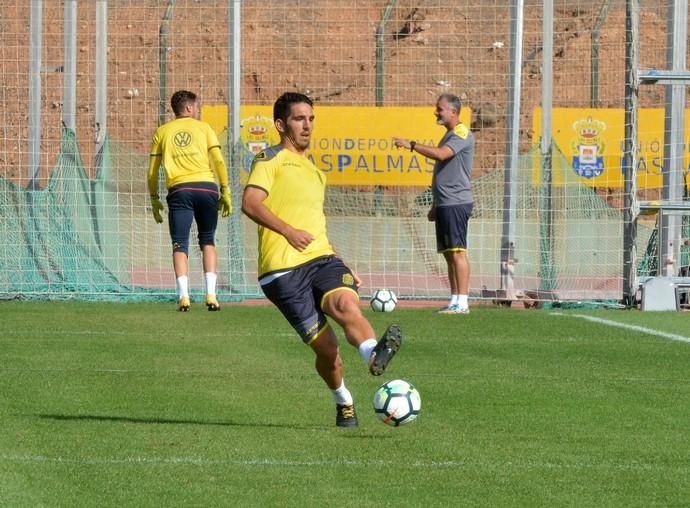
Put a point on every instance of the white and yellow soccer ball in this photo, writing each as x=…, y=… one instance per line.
x=383, y=300
x=397, y=402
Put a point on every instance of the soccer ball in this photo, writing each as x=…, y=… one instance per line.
x=397, y=402
x=383, y=300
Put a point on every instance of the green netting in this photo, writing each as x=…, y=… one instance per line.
x=57, y=239
x=568, y=240
x=649, y=262
x=82, y=238
x=567, y=244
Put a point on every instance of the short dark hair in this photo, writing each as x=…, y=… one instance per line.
x=179, y=100
x=281, y=108
x=452, y=100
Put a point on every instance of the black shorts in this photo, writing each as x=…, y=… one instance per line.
x=451, y=227
x=189, y=202
x=299, y=293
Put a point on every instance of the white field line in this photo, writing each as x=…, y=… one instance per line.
x=22, y=334
x=635, y=328
x=121, y=371
x=274, y=462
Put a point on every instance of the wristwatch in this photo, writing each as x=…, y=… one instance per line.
x=412, y=145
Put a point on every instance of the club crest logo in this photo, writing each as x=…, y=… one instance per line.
x=348, y=280
x=182, y=139
x=256, y=134
x=588, y=147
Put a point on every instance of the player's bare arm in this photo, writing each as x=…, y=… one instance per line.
x=254, y=208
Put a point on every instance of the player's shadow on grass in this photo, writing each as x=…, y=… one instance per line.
x=167, y=421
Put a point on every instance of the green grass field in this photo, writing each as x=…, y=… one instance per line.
x=138, y=405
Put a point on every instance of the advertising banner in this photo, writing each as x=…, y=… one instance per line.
x=352, y=145
x=592, y=142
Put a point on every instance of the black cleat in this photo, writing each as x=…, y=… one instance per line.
x=385, y=350
x=345, y=416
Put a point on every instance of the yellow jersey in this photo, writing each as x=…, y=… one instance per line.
x=184, y=145
x=296, y=191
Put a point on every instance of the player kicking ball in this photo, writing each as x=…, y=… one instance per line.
x=298, y=269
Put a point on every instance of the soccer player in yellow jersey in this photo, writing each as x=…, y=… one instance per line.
x=298, y=269
x=192, y=160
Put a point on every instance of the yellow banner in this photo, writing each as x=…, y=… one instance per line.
x=592, y=142
x=352, y=145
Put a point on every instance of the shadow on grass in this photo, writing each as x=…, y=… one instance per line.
x=168, y=421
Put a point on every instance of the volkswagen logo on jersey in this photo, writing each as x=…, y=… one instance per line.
x=182, y=139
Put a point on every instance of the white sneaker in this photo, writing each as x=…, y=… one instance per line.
x=453, y=309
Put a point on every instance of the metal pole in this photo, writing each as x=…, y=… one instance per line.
x=630, y=206
x=235, y=74
x=163, y=62
x=511, y=151
x=236, y=270
x=380, y=57
x=35, y=92
x=547, y=79
x=69, y=101
x=603, y=12
x=546, y=271
x=101, y=72
x=674, y=131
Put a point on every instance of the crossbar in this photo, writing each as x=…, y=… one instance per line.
x=665, y=206
x=663, y=77
x=677, y=281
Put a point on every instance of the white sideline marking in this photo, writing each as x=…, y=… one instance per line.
x=271, y=462
x=110, y=333
x=649, y=331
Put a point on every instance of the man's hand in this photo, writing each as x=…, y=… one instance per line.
x=401, y=143
x=431, y=214
x=299, y=238
x=157, y=208
x=358, y=281
x=254, y=208
x=225, y=202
